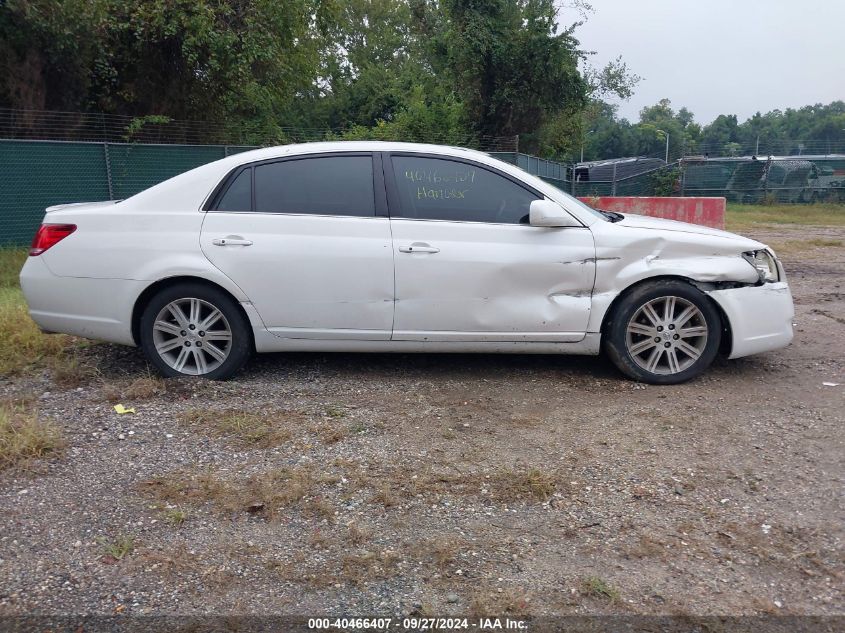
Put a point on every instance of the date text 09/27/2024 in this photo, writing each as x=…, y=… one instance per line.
x=418, y=624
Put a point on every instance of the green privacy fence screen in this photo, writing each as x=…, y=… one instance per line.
x=37, y=174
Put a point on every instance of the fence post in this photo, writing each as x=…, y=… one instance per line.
x=613, y=186
x=108, y=170
x=683, y=180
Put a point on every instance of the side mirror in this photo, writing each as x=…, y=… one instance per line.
x=546, y=212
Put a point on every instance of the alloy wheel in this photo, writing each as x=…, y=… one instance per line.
x=192, y=336
x=666, y=335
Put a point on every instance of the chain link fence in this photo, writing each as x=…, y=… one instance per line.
x=91, y=160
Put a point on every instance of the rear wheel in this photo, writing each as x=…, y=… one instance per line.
x=193, y=329
x=663, y=332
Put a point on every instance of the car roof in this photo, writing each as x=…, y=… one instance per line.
x=279, y=151
x=192, y=188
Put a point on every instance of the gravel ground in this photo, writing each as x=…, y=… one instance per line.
x=436, y=484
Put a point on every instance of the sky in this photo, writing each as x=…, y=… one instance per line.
x=721, y=56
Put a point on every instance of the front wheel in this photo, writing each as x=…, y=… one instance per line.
x=663, y=333
x=192, y=329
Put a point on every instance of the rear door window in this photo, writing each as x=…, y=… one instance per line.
x=329, y=185
x=319, y=185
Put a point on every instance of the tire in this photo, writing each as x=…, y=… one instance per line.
x=193, y=329
x=688, y=341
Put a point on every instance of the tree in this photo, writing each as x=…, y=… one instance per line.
x=509, y=64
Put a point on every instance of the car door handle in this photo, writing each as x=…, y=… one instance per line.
x=419, y=247
x=231, y=241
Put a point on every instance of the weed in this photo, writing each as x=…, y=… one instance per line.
x=175, y=516
x=266, y=493
x=331, y=434
x=504, y=601
x=70, y=371
x=524, y=485
x=443, y=550
x=358, y=535
x=118, y=549
x=598, y=588
x=22, y=345
x=254, y=429
x=334, y=411
x=142, y=388
x=23, y=436
x=384, y=496
x=364, y=566
x=321, y=508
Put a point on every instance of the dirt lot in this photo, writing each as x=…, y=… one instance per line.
x=362, y=484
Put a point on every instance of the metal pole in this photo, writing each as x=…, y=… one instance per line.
x=667, y=148
x=108, y=170
x=613, y=186
x=757, y=147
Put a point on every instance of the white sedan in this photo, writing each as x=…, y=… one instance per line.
x=393, y=247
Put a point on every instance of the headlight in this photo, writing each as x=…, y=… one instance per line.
x=764, y=262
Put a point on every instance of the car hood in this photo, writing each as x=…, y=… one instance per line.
x=659, y=224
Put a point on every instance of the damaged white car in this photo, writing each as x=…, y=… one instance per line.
x=393, y=247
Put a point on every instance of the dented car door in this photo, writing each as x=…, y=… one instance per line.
x=469, y=267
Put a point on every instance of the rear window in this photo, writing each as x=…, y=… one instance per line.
x=238, y=196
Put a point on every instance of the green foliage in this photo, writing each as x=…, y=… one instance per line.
x=411, y=69
x=187, y=59
x=138, y=123
x=436, y=70
x=510, y=66
x=665, y=181
x=822, y=127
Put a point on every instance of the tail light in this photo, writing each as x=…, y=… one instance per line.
x=48, y=235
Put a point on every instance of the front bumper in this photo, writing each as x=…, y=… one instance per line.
x=760, y=317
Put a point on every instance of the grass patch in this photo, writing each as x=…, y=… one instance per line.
x=595, y=587
x=367, y=566
x=265, y=493
x=24, y=437
x=335, y=411
x=260, y=430
x=70, y=371
x=442, y=551
x=142, y=388
x=11, y=262
x=22, y=345
x=331, y=433
x=118, y=549
x=798, y=247
x=174, y=516
x=391, y=485
x=534, y=484
x=744, y=216
x=487, y=602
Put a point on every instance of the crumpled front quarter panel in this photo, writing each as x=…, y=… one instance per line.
x=627, y=255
